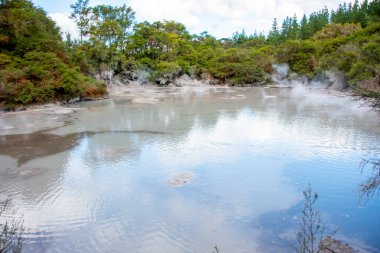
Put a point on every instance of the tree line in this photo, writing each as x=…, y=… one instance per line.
x=363, y=14
x=38, y=66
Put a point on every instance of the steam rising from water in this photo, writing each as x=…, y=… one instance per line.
x=108, y=191
x=328, y=88
x=331, y=80
x=186, y=80
x=280, y=73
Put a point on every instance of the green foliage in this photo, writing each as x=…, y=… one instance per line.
x=34, y=66
x=108, y=29
x=159, y=41
x=166, y=70
x=336, y=30
x=300, y=55
x=25, y=28
x=359, y=72
x=80, y=15
x=274, y=36
x=371, y=50
x=305, y=29
x=239, y=66
x=352, y=50
x=40, y=78
x=37, y=67
x=167, y=50
x=4, y=60
x=362, y=14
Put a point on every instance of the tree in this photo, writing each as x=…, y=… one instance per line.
x=274, y=35
x=34, y=65
x=159, y=40
x=104, y=26
x=304, y=29
x=286, y=28
x=80, y=15
x=318, y=20
x=374, y=11
x=125, y=18
x=239, y=38
x=24, y=28
x=108, y=29
x=294, y=30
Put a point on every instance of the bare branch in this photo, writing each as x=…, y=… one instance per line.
x=371, y=186
x=11, y=229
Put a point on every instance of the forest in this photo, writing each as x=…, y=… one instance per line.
x=38, y=64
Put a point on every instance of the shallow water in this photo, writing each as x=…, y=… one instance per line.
x=97, y=181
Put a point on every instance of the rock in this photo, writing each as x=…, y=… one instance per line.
x=180, y=179
x=74, y=100
x=30, y=172
x=187, y=81
x=128, y=75
x=331, y=245
x=71, y=101
x=336, y=80
x=208, y=79
x=105, y=75
x=162, y=81
x=145, y=100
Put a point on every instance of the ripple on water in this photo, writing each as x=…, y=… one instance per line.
x=107, y=189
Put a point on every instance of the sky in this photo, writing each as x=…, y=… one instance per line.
x=221, y=18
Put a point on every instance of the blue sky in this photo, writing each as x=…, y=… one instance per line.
x=219, y=17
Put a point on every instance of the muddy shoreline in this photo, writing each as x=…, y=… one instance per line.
x=48, y=117
x=142, y=95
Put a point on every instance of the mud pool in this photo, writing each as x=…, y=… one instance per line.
x=185, y=169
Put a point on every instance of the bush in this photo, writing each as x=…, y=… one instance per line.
x=166, y=70
x=336, y=30
x=41, y=78
x=300, y=55
x=240, y=66
x=360, y=71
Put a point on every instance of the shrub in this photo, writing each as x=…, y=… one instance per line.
x=43, y=77
x=300, y=55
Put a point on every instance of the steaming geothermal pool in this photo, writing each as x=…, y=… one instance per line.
x=185, y=169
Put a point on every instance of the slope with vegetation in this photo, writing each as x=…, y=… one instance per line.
x=37, y=66
x=34, y=64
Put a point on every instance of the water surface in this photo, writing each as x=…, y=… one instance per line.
x=96, y=180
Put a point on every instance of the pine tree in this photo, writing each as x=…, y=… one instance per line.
x=304, y=29
x=274, y=36
x=374, y=11
x=294, y=30
x=286, y=28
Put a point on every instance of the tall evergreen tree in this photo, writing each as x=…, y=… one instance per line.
x=286, y=28
x=274, y=35
x=294, y=30
x=304, y=29
x=374, y=11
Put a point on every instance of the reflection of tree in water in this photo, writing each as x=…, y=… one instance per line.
x=11, y=229
x=371, y=185
x=114, y=146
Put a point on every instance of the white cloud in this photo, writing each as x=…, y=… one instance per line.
x=222, y=17
x=219, y=17
x=65, y=23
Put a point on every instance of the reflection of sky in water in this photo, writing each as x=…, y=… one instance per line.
x=251, y=159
